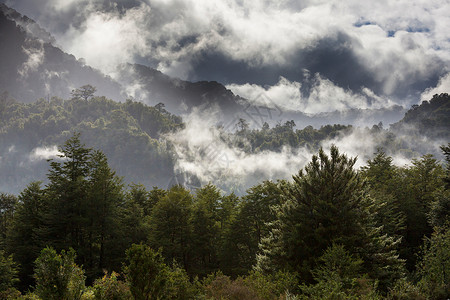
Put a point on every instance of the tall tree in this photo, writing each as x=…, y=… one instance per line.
x=8, y=205
x=85, y=92
x=24, y=239
x=384, y=181
x=171, y=227
x=420, y=183
x=328, y=203
x=205, y=230
x=105, y=197
x=250, y=225
x=68, y=196
x=83, y=198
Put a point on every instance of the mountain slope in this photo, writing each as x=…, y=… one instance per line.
x=178, y=95
x=32, y=67
x=430, y=118
x=128, y=133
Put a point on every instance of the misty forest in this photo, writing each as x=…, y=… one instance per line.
x=182, y=164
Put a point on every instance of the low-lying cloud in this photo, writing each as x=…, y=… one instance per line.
x=323, y=95
x=44, y=153
x=443, y=86
x=35, y=57
x=202, y=151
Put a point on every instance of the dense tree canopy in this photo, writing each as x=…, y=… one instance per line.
x=331, y=231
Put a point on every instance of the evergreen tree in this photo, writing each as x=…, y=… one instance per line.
x=8, y=274
x=8, y=205
x=421, y=183
x=170, y=226
x=105, y=197
x=434, y=268
x=205, y=230
x=384, y=181
x=244, y=234
x=68, y=198
x=328, y=203
x=82, y=205
x=24, y=238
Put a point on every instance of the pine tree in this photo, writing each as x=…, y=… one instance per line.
x=68, y=197
x=205, y=230
x=170, y=227
x=328, y=203
x=24, y=238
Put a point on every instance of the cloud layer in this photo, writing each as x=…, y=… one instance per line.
x=322, y=95
x=202, y=151
x=396, y=49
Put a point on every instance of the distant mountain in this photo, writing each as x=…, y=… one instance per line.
x=32, y=67
x=179, y=96
x=430, y=118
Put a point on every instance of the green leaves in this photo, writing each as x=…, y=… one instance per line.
x=57, y=275
x=327, y=203
x=150, y=278
x=145, y=272
x=8, y=272
x=434, y=268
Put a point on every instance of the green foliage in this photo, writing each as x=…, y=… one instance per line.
x=405, y=290
x=24, y=239
x=8, y=205
x=128, y=133
x=170, y=225
x=145, y=272
x=150, y=278
x=274, y=139
x=334, y=229
x=254, y=286
x=8, y=272
x=85, y=92
x=109, y=287
x=57, y=275
x=82, y=206
x=327, y=204
x=272, y=286
x=434, y=268
x=219, y=286
x=178, y=285
x=430, y=119
x=420, y=184
x=339, y=276
x=249, y=226
x=384, y=178
x=205, y=228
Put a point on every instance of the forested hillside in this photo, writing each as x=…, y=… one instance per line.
x=33, y=67
x=224, y=150
x=128, y=133
x=430, y=118
x=333, y=231
x=134, y=136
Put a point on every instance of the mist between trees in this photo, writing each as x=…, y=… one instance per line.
x=373, y=232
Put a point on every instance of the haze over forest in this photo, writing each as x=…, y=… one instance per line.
x=228, y=110
x=214, y=63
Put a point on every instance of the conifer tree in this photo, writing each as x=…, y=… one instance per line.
x=328, y=203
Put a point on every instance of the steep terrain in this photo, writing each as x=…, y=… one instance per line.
x=33, y=67
x=430, y=119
